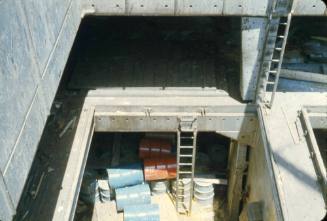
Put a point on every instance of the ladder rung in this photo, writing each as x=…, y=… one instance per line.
x=281, y=36
x=186, y=147
x=185, y=172
x=181, y=197
x=270, y=83
x=278, y=49
x=185, y=164
x=180, y=187
x=283, y=23
x=275, y=60
x=185, y=155
x=182, y=137
x=273, y=72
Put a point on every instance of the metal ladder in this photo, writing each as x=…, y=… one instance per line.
x=274, y=49
x=186, y=153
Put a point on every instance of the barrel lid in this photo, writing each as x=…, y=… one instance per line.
x=203, y=198
x=210, y=190
x=202, y=183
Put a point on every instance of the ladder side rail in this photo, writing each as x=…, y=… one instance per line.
x=289, y=19
x=177, y=171
x=193, y=169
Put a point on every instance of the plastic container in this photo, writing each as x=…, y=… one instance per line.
x=160, y=168
x=205, y=201
x=104, y=190
x=204, y=193
x=134, y=195
x=154, y=148
x=203, y=187
x=149, y=212
x=158, y=187
x=126, y=175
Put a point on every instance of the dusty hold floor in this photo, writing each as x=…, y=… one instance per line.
x=107, y=211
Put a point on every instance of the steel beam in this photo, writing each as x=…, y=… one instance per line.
x=314, y=152
x=317, y=116
x=68, y=195
x=197, y=8
x=239, y=125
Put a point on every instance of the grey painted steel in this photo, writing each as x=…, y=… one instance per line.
x=272, y=54
x=270, y=164
x=240, y=126
x=318, y=120
x=71, y=183
x=196, y=8
x=21, y=159
x=253, y=37
x=280, y=59
x=237, y=165
x=17, y=87
x=315, y=153
x=317, y=116
x=7, y=210
x=186, y=144
x=292, y=164
x=160, y=113
x=35, y=42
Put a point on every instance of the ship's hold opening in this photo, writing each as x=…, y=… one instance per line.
x=127, y=151
x=321, y=138
x=164, y=56
x=305, y=59
x=157, y=52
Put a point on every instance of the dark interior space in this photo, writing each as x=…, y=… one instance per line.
x=119, y=52
x=212, y=149
x=306, y=53
x=321, y=137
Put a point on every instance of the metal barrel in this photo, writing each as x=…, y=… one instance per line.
x=147, y=212
x=160, y=168
x=134, y=195
x=154, y=147
x=127, y=175
x=204, y=193
x=158, y=187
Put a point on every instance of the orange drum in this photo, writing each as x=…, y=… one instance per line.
x=152, y=148
x=160, y=168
